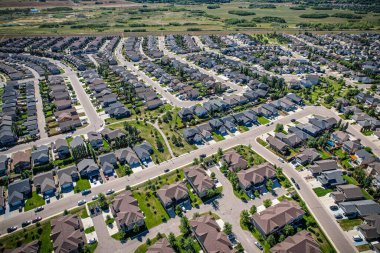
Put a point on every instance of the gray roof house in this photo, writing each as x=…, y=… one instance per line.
x=360, y=208
x=331, y=178
x=363, y=157
x=66, y=176
x=324, y=165
x=3, y=165
x=127, y=155
x=95, y=139
x=347, y=192
x=307, y=156
x=62, y=148
x=40, y=155
x=88, y=168
x=77, y=142
x=45, y=183
x=18, y=191
x=107, y=162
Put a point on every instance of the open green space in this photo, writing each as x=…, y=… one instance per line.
x=321, y=191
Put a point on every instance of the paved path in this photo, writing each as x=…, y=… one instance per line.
x=163, y=136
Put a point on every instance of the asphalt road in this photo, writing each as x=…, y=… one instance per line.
x=329, y=226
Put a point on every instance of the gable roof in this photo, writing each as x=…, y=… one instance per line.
x=161, y=246
x=323, y=165
x=210, y=235
x=256, y=175
x=301, y=242
x=199, y=178
x=126, y=209
x=277, y=216
x=176, y=191
x=67, y=233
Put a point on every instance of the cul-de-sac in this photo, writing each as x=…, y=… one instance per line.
x=189, y=126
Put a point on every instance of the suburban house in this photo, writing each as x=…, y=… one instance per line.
x=3, y=165
x=20, y=161
x=373, y=169
x=107, y=162
x=67, y=234
x=307, y=156
x=40, y=156
x=45, y=183
x=331, y=178
x=209, y=235
x=88, y=168
x=127, y=155
x=301, y=242
x=31, y=247
x=363, y=157
x=234, y=161
x=255, y=178
x=18, y=191
x=277, y=145
x=321, y=166
x=370, y=229
x=161, y=246
x=95, y=139
x=125, y=209
x=293, y=140
x=339, y=137
x=350, y=147
x=78, y=144
x=62, y=148
x=360, y=208
x=2, y=200
x=172, y=195
x=143, y=151
x=347, y=192
x=274, y=218
x=66, y=177
x=199, y=180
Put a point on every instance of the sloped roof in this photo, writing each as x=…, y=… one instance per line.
x=256, y=175
x=175, y=191
x=199, y=178
x=126, y=208
x=301, y=242
x=67, y=233
x=161, y=246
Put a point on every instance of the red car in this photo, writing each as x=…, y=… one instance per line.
x=37, y=219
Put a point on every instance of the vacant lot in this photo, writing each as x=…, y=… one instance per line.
x=127, y=17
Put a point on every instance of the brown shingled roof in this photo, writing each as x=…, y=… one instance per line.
x=256, y=175
x=161, y=246
x=301, y=242
x=125, y=208
x=176, y=191
x=199, y=178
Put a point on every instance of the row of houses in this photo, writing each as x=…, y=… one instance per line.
x=181, y=44
x=14, y=71
x=132, y=49
x=65, y=113
x=150, y=46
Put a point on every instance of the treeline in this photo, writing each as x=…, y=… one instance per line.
x=262, y=6
x=58, y=9
x=269, y=19
x=183, y=1
x=346, y=26
x=240, y=22
x=241, y=13
x=14, y=11
x=315, y=15
x=346, y=15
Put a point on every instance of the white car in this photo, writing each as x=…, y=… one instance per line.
x=91, y=241
x=183, y=209
x=95, y=197
x=81, y=202
x=110, y=191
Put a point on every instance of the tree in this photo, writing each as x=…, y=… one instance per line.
x=188, y=244
x=269, y=185
x=281, y=238
x=136, y=228
x=267, y=203
x=288, y=230
x=271, y=240
x=184, y=226
x=279, y=128
x=245, y=218
x=257, y=194
x=160, y=146
x=227, y=229
x=178, y=210
x=253, y=209
x=172, y=240
x=103, y=201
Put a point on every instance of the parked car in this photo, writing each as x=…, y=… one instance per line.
x=293, y=180
x=26, y=223
x=297, y=186
x=357, y=238
x=85, y=192
x=338, y=216
x=183, y=209
x=334, y=208
x=203, y=155
x=110, y=191
x=281, y=160
x=258, y=245
x=39, y=209
x=95, y=197
x=37, y=219
x=92, y=241
x=11, y=229
x=81, y=202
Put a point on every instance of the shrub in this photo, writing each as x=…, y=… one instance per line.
x=315, y=15
x=241, y=13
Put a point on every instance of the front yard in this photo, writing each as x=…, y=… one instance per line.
x=35, y=201
x=81, y=184
x=321, y=191
x=349, y=224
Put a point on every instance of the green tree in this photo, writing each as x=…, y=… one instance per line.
x=267, y=203
x=185, y=226
x=227, y=228
x=102, y=201
x=253, y=209
x=279, y=128
x=288, y=230
x=172, y=240
x=245, y=218
x=269, y=185
x=271, y=240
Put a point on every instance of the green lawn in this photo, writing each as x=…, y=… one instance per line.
x=350, y=180
x=27, y=235
x=35, y=201
x=243, y=129
x=82, y=184
x=151, y=206
x=321, y=191
x=366, y=194
x=89, y=230
x=324, y=154
x=90, y=248
x=217, y=137
x=349, y=224
x=144, y=247
x=84, y=214
x=195, y=200
x=262, y=142
x=367, y=132
x=339, y=153
x=251, y=156
x=262, y=120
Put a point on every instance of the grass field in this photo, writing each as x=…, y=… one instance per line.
x=82, y=184
x=161, y=17
x=347, y=224
x=321, y=191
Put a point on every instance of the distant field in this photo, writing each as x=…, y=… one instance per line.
x=133, y=17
